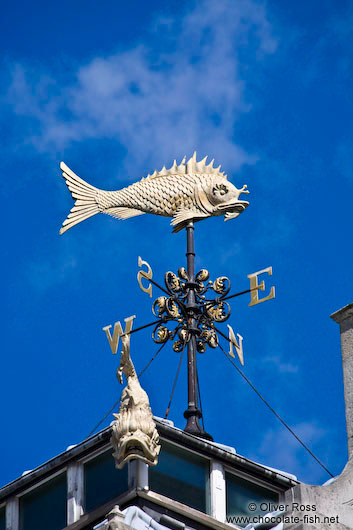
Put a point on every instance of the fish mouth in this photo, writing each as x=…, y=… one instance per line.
x=132, y=446
x=233, y=209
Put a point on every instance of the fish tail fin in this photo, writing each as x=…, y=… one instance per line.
x=86, y=199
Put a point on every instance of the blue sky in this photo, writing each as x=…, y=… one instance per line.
x=117, y=90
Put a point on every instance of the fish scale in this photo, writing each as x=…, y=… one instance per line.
x=159, y=198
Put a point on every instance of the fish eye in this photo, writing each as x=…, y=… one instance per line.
x=220, y=189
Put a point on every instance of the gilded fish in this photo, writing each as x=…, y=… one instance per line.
x=189, y=191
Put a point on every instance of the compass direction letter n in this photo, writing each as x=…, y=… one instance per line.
x=118, y=332
x=259, y=286
x=238, y=345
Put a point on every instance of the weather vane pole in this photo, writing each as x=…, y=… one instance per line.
x=188, y=192
x=192, y=413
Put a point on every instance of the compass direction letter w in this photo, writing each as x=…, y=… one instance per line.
x=118, y=332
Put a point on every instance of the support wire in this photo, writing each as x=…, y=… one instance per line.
x=175, y=382
x=272, y=410
x=199, y=393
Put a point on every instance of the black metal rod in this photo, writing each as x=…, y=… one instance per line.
x=192, y=380
x=222, y=334
x=159, y=286
x=143, y=327
x=190, y=252
x=193, y=412
x=220, y=299
x=241, y=292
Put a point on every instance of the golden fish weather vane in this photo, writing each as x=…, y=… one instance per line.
x=189, y=191
x=185, y=314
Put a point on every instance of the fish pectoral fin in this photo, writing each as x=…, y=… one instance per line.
x=122, y=212
x=183, y=216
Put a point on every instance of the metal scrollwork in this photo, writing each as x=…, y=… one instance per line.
x=201, y=346
x=158, y=306
x=160, y=334
x=183, y=335
x=172, y=308
x=188, y=320
x=202, y=275
x=178, y=346
x=209, y=337
x=182, y=273
x=221, y=285
x=219, y=312
x=172, y=282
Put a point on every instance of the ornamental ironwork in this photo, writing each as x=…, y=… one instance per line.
x=196, y=318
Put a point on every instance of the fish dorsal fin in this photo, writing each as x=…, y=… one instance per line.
x=190, y=167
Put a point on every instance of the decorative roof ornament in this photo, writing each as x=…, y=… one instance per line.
x=134, y=433
x=190, y=191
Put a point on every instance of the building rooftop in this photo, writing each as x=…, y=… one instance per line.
x=196, y=482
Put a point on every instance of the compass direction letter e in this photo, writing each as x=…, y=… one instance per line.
x=118, y=332
x=259, y=286
x=145, y=274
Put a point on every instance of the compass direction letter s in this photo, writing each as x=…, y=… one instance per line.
x=238, y=345
x=118, y=332
x=259, y=286
x=145, y=274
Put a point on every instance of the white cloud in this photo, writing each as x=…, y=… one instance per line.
x=281, y=450
x=276, y=363
x=187, y=97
